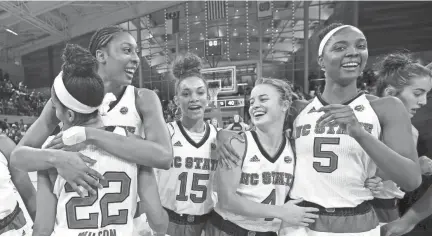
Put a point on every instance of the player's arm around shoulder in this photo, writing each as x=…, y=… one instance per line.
x=228, y=177
x=20, y=178
x=155, y=151
x=397, y=135
x=154, y=124
x=224, y=148
x=150, y=202
x=46, y=203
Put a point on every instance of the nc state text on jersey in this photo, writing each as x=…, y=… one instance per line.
x=195, y=163
x=304, y=130
x=267, y=178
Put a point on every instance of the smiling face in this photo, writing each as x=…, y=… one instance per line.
x=344, y=56
x=192, y=97
x=414, y=95
x=119, y=60
x=266, y=107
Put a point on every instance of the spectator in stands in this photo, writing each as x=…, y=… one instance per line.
x=238, y=124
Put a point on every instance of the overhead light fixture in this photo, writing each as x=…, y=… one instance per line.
x=11, y=31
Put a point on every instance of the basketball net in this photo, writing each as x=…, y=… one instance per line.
x=213, y=95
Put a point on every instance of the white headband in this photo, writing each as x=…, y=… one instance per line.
x=67, y=99
x=329, y=35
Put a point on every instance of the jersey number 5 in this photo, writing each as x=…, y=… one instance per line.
x=319, y=153
x=195, y=187
x=89, y=200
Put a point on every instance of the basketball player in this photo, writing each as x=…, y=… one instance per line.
x=185, y=188
x=410, y=82
x=401, y=77
x=12, y=219
x=76, y=95
x=138, y=110
x=251, y=196
x=337, y=142
x=237, y=125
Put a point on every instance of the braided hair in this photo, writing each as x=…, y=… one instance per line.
x=102, y=37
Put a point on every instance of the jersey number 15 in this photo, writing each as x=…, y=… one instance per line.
x=195, y=187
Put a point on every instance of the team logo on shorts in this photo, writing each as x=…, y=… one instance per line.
x=287, y=159
x=213, y=146
x=359, y=108
x=124, y=110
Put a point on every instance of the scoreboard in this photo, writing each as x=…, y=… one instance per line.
x=239, y=102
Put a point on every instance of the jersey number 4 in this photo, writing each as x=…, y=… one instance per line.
x=195, y=187
x=271, y=200
x=319, y=153
x=89, y=200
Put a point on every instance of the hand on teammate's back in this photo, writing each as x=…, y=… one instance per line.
x=225, y=152
x=398, y=227
x=293, y=215
x=425, y=165
x=374, y=184
x=70, y=140
x=73, y=168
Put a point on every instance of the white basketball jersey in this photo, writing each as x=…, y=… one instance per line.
x=7, y=197
x=185, y=188
x=125, y=114
x=264, y=179
x=111, y=211
x=332, y=167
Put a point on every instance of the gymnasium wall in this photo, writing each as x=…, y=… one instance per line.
x=42, y=66
x=16, y=73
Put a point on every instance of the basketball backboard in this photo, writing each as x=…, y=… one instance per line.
x=227, y=77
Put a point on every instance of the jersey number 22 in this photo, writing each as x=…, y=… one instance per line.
x=89, y=200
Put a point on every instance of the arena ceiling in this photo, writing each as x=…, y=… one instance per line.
x=39, y=24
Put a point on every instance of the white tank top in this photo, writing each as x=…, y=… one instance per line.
x=332, y=167
x=8, y=200
x=264, y=179
x=125, y=113
x=111, y=211
x=185, y=188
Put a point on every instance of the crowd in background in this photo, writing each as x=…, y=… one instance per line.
x=14, y=131
x=17, y=100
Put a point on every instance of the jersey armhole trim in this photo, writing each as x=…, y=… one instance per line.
x=246, y=148
x=173, y=130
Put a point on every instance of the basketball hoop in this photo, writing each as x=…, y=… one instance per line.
x=214, y=87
